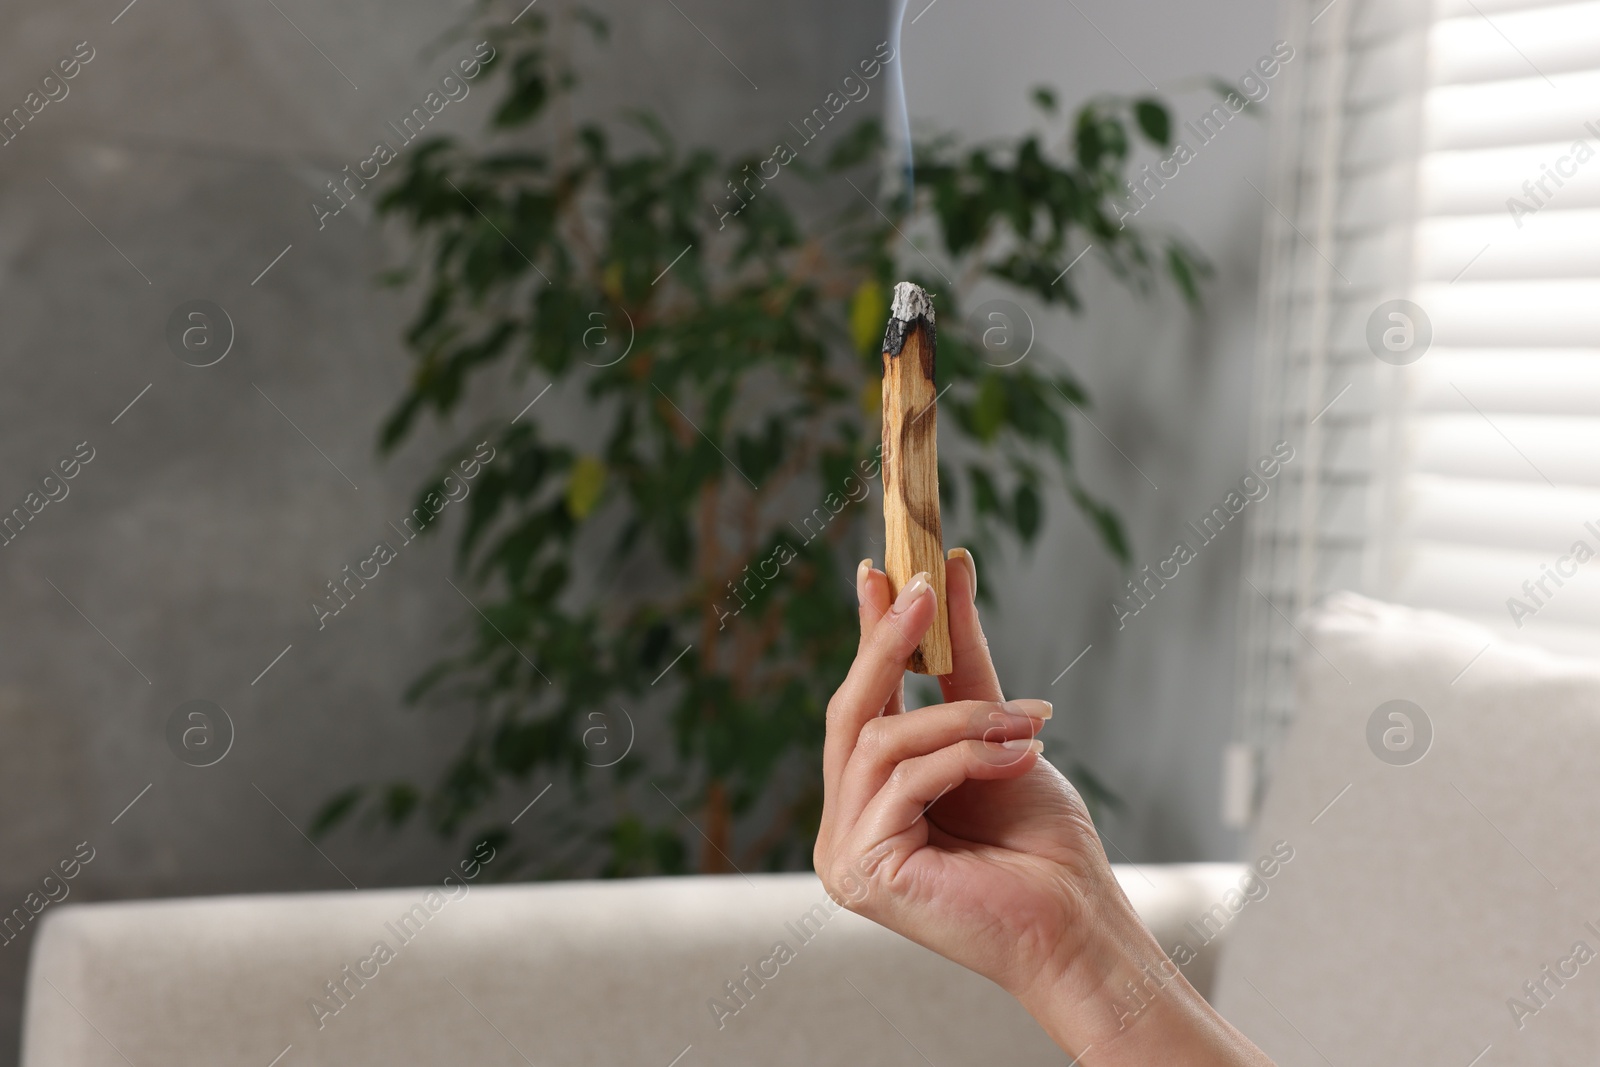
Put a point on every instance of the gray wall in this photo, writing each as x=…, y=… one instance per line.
x=193, y=541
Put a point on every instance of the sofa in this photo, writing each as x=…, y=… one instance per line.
x=676, y=972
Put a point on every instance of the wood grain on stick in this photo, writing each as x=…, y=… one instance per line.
x=912, y=541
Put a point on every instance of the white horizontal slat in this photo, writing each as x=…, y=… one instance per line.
x=1550, y=244
x=1446, y=9
x=1341, y=458
x=1340, y=363
x=1323, y=541
x=1336, y=568
x=1334, y=407
x=1508, y=447
x=1378, y=135
x=1366, y=252
x=1545, y=40
x=1560, y=313
x=1519, y=381
x=1378, y=67
x=1477, y=581
x=1516, y=516
x=1341, y=521
x=1349, y=309
x=1481, y=181
x=1380, y=22
x=1521, y=111
x=1373, y=197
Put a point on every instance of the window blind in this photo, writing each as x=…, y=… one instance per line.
x=1444, y=153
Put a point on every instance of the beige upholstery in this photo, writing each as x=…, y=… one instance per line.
x=1421, y=900
x=573, y=974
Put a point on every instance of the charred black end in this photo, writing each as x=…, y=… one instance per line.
x=894, y=338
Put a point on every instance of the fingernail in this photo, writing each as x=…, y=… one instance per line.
x=1023, y=744
x=1034, y=709
x=909, y=593
x=863, y=569
x=972, y=567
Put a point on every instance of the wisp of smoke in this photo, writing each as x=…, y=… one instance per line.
x=898, y=117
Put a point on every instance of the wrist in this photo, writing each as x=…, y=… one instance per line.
x=1123, y=998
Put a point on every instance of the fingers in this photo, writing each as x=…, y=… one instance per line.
x=875, y=598
x=872, y=599
x=973, y=676
x=884, y=743
x=888, y=634
x=896, y=812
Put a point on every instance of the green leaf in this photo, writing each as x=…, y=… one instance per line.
x=989, y=410
x=335, y=810
x=529, y=92
x=857, y=146
x=1044, y=98
x=986, y=498
x=1153, y=121
x=597, y=24
x=1186, y=271
x=1097, y=795
x=1090, y=145
x=1105, y=523
x=1027, y=511
x=399, y=801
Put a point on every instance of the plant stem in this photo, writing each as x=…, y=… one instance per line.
x=717, y=816
x=719, y=821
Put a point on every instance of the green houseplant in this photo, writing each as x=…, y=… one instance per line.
x=732, y=434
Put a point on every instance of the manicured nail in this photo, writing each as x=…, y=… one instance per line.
x=909, y=593
x=1034, y=709
x=863, y=569
x=972, y=567
x=1023, y=744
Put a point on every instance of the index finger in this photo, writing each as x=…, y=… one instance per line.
x=872, y=604
x=879, y=666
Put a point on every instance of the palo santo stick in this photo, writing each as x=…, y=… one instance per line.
x=912, y=541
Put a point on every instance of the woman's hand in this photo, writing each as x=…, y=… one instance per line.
x=946, y=826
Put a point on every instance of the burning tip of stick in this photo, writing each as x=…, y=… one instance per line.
x=911, y=302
